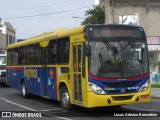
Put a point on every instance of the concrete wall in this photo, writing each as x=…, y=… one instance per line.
x=7, y=34
x=2, y=41
x=154, y=67
x=148, y=10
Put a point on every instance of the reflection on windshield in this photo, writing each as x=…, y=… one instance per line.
x=118, y=60
x=2, y=60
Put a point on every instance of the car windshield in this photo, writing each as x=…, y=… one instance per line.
x=2, y=60
x=118, y=59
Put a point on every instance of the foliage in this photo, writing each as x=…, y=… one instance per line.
x=94, y=16
x=155, y=64
x=155, y=86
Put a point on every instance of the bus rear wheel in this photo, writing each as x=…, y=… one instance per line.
x=65, y=98
x=24, y=90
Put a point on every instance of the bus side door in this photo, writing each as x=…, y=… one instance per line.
x=44, y=52
x=77, y=72
x=48, y=76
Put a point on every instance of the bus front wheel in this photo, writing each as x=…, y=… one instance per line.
x=65, y=98
x=24, y=90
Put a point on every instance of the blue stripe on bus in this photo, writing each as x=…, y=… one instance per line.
x=39, y=81
x=120, y=84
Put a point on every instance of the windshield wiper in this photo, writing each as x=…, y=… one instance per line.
x=113, y=50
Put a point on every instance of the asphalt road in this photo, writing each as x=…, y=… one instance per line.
x=12, y=100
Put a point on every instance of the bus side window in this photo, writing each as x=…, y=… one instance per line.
x=79, y=58
x=9, y=57
x=15, y=56
x=37, y=54
x=30, y=55
x=21, y=56
x=53, y=52
x=32, y=61
x=63, y=51
x=27, y=55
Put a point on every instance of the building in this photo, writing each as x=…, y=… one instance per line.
x=145, y=13
x=7, y=35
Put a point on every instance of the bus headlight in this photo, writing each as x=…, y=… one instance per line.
x=96, y=89
x=145, y=86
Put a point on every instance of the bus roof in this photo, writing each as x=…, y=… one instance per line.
x=60, y=33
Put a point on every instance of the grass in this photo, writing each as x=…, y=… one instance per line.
x=155, y=86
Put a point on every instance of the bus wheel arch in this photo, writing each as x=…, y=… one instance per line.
x=64, y=96
x=24, y=89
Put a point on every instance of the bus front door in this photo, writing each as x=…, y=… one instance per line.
x=77, y=72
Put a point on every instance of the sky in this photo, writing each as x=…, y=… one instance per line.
x=48, y=15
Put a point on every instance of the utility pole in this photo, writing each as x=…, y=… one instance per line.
x=112, y=4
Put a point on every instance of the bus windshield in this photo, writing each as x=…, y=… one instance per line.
x=118, y=59
x=2, y=60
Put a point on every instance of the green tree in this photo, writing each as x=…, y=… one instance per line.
x=94, y=16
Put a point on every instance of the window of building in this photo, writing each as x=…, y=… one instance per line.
x=13, y=40
x=7, y=38
x=10, y=39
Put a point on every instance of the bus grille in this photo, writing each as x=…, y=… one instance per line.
x=121, y=98
x=121, y=84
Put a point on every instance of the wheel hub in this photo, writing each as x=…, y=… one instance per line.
x=23, y=90
x=65, y=99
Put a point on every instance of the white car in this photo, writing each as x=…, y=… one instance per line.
x=2, y=68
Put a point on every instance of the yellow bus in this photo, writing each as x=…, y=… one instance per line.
x=89, y=66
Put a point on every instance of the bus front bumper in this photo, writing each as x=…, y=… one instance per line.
x=113, y=100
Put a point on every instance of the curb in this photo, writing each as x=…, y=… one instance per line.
x=154, y=97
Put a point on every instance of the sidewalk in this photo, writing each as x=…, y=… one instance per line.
x=155, y=93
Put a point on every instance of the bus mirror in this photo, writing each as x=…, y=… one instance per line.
x=88, y=50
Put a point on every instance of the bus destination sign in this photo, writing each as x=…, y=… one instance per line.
x=106, y=32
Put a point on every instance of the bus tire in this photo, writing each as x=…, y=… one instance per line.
x=24, y=90
x=65, y=98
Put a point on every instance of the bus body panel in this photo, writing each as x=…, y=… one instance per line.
x=46, y=79
x=51, y=83
x=39, y=81
x=129, y=86
x=13, y=76
x=102, y=100
x=134, y=96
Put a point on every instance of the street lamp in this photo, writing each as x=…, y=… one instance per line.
x=79, y=17
x=75, y=17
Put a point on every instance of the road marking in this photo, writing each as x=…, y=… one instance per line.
x=138, y=108
x=57, y=116
x=51, y=109
x=18, y=104
x=33, y=109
